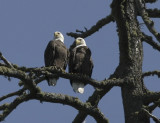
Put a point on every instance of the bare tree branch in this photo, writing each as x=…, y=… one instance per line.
x=48, y=71
x=12, y=72
x=93, y=100
x=2, y=64
x=93, y=29
x=74, y=102
x=149, y=40
x=154, y=105
x=21, y=73
x=16, y=93
x=151, y=97
x=151, y=73
x=97, y=96
x=150, y=1
x=5, y=60
x=8, y=108
x=4, y=106
x=151, y=115
x=149, y=23
x=130, y=66
x=53, y=98
x=153, y=13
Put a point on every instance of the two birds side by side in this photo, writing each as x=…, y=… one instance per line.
x=78, y=57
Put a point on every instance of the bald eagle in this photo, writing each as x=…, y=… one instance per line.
x=56, y=54
x=80, y=61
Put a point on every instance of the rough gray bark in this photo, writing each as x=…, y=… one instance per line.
x=131, y=56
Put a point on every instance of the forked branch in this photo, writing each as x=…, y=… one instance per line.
x=153, y=106
x=93, y=29
x=149, y=23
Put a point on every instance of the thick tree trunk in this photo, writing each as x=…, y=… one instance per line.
x=131, y=57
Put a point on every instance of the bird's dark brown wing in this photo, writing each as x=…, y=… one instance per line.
x=49, y=54
x=81, y=61
x=89, y=63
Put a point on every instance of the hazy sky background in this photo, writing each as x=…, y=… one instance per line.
x=26, y=27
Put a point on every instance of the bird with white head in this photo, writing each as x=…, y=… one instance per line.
x=56, y=54
x=80, y=62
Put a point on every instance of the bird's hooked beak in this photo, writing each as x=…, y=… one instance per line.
x=78, y=42
x=56, y=34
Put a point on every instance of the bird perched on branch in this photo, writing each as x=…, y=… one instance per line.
x=56, y=54
x=80, y=61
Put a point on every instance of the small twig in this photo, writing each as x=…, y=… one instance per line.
x=79, y=31
x=151, y=115
x=5, y=60
x=86, y=29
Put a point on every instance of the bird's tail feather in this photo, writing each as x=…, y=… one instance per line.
x=78, y=87
x=52, y=81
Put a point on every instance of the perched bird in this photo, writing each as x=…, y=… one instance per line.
x=80, y=61
x=56, y=54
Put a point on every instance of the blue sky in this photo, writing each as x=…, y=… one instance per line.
x=26, y=26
